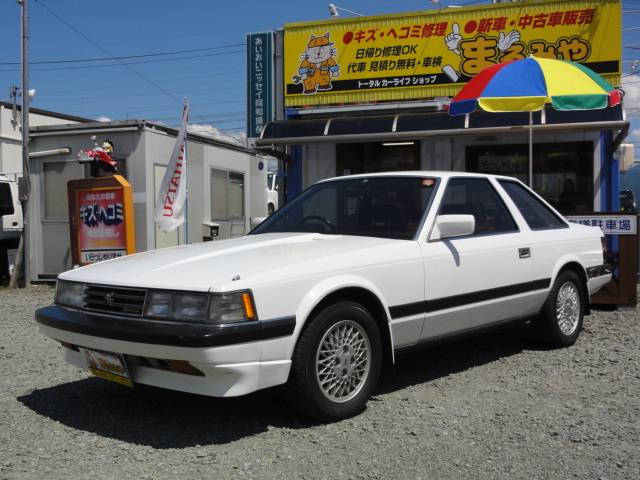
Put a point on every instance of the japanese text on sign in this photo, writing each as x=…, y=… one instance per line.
x=610, y=225
x=260, y=83
x=430, y=54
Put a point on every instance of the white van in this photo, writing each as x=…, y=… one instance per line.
x=11, y=221
x=272, y=192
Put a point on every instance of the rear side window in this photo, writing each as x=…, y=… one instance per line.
x=6, y=203
x=537, y=215
x=477, y=197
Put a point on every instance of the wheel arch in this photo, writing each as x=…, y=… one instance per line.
x=573, y=264
x=352, y=288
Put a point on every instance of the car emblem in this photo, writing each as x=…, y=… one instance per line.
x=109, y=298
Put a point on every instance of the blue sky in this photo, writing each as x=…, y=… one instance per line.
x=214, y=79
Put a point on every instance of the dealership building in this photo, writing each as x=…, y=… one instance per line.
x=386, y=107
x=371, y=94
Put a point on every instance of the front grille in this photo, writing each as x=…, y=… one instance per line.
x=122, y=300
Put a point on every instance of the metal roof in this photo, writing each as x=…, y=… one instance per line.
x=411, y=126
x=48, y=113
x=122, y=125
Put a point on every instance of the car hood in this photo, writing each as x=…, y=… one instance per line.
x=203, y=266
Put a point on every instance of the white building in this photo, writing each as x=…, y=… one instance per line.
x=226, y=186
x=11, y=134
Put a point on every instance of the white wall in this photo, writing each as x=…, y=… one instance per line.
x=11, y=137
x=201, y=158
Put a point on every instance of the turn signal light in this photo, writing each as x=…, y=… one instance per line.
x=248, y=306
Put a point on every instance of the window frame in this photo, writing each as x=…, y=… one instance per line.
x=544, y=203
x=474, y=235
x=228, y=173
x=423, y=219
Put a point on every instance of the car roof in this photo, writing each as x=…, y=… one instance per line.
x=419, y=173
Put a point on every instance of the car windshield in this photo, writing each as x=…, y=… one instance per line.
x=390, y=207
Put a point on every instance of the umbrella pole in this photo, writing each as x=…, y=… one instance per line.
x=530, y=149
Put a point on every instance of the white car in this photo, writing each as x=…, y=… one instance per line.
x=329, y=288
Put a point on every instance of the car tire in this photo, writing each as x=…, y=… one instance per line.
x=270, y=209
x=332, y=377
x=560, y=319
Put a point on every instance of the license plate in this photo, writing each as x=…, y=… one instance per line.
x=110, y=366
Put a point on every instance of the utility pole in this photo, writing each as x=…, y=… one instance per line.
x=21, y=261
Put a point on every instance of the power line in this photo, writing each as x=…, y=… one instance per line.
x=103, y=50
x=126, y=57
x=199, y=76
x=83, y=67
x=73, y=93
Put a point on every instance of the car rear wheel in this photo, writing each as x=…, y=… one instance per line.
x=561, y=316
x=336, y=363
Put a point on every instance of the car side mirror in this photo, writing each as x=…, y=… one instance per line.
x=450, y=226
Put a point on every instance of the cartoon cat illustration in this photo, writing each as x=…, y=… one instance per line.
x=318, y=66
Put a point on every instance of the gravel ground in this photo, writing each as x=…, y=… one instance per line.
x=496, y=406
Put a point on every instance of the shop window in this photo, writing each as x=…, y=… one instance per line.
x=562, y=172
x=476, y=196
x=537, y=215
x=6, y=203
x=227, y=194
x=355, y=158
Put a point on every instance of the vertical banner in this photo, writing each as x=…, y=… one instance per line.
x=101, y=219
x=260, y=107
x=171, y=203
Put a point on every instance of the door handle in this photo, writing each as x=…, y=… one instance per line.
x=524, y=252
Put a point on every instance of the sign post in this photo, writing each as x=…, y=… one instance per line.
x=260, y=105
x=101, y=219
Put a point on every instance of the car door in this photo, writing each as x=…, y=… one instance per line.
x=481, y=279
x=548, y=237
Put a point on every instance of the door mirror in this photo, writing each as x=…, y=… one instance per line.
x=450, y=226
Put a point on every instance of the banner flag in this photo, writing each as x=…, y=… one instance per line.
x=172, y=197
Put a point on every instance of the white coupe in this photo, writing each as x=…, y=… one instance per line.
x=330, y=287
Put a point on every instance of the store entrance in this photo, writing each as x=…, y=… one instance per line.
x=562, y=172
x=354, y=158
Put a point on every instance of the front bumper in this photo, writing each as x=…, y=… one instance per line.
x=163, y=332
x=234, y=360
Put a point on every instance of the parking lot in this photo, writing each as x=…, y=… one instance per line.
x=496, y=406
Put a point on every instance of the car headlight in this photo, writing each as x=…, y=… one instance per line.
x=70, y=294
x=231, y=307
x=187, y=306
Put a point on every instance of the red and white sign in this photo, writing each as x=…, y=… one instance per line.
x=172, y=197
x=101, y=226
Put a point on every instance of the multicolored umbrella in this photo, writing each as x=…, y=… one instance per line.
x=527, y=85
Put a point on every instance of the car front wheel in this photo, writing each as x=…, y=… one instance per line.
x=336, y=363
x=560, y=319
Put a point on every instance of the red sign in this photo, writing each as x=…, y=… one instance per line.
x=101, y=232
x=101, y=212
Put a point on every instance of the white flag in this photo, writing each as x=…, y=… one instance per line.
x=172, y=197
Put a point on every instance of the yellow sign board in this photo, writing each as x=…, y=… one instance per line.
x=433, y=53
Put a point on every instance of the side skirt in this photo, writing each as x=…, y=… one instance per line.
x=460, y=335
